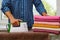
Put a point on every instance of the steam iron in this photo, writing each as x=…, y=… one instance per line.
x=21, y=28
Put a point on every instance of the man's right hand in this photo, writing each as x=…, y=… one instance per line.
x=15, y=22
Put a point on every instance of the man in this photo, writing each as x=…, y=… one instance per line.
x=22, y=10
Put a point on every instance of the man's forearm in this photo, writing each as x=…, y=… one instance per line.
x=9, y=15
x=13, y=21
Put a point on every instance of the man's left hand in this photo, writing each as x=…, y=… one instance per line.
x=44, y=14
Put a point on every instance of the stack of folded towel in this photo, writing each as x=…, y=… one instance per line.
x=50, y=24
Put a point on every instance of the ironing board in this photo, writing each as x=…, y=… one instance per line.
x=24, y=36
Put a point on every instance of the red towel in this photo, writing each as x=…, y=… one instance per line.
x=48, y=30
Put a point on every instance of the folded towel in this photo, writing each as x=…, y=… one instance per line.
x=47, y=18
x=44, y=30
x=47, y=24
x=49, y=30
x=52, y=23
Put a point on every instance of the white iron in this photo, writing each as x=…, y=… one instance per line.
x=22, y=28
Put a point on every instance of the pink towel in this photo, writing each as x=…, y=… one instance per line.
x=47, y=18
x=41, y=20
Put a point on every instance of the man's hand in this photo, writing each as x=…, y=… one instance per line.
x=44, y=14
x=15, y=22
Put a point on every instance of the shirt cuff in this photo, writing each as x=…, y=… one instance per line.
x=5, y=9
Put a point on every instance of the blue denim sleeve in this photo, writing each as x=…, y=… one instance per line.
x=5, y=6
x=39, y=6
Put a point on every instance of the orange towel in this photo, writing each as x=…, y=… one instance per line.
x=45, y=25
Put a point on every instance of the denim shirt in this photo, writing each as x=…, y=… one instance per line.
x=23, y=9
